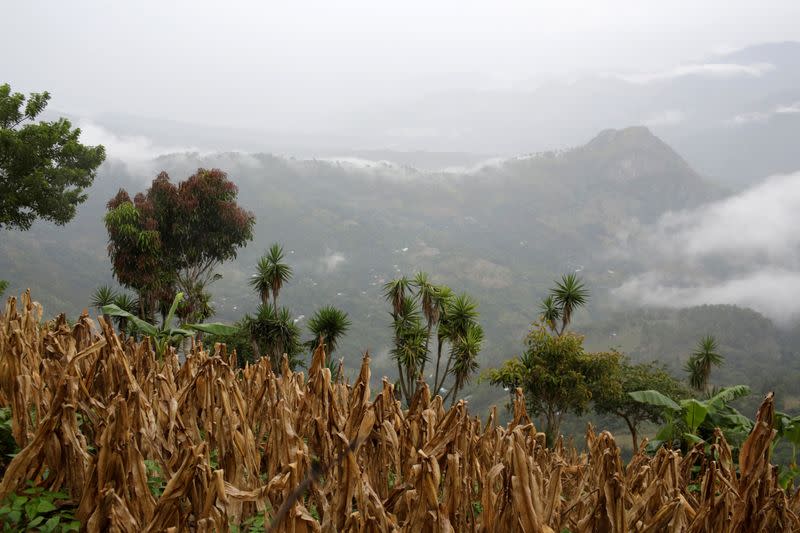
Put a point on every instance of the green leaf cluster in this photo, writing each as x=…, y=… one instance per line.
x=8, y=446
x=167, y=335
x=558, y=376
x=422, y=311
x=35, y=509
x=637, y=377
x=44, y=169
x=691, y=421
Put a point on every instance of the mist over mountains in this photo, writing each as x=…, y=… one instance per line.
x=729, y=115
x=694, y=206
x=624, y=210
x=742, y=249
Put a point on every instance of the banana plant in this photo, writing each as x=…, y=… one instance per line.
x=693, y=421
x=168, y=335
x=789, y=430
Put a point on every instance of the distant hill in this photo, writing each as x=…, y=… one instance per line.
x=732, y=117
x=719, y=112
x=502, y=232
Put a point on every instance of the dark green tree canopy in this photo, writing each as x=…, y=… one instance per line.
x=558, y=376
x=44, y=169
x=638, y=377
x=172, y=237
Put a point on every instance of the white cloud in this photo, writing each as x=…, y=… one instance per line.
x=707, y=70
x=127, y=148
x=763, y=116
x=669, y=117
x=788, y=109
x=771, y=291
x=331, y=261
x=744, y=249
x=747, y=118
x=760, y=222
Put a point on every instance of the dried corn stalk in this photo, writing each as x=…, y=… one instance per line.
x=91, y=411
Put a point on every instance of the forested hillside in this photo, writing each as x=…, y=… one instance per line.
x=501, y=232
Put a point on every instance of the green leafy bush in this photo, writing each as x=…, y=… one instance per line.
x=8, y=446
x=36, y=509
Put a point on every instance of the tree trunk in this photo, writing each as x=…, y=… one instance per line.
x=455, y=395
x=256, y=355
x=444, y=376
x=427, y=343
x=438, y=360
x=403, y=389
x=553, y=427
x=634, y=436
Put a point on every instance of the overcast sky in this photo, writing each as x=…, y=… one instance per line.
x=261, y=63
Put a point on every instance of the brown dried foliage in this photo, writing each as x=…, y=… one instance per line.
x=90, y=408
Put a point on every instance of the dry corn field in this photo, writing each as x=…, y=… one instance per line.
x=91, y=411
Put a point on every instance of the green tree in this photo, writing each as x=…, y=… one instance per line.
x=550, y=312
x=395, y=292
x=426, y=294
x=465, y=358
x=274, y=333
x=460, y=315
x=3, y=286
x=271, y=274
x=44, y=169
x=444, y=298
x=420, y=310
x=701, y=361
x=636, y=377
x=557, y=376
x=567, y=296
x=103, y=296
x=409, y=346
x=172, y=238
x=329, y=324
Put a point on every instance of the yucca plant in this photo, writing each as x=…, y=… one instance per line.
x=569, y=294
x=128, y=303
x=329, y=324
x=701, y=361
x=275, y=333
x=271, y=275
x=103, y=296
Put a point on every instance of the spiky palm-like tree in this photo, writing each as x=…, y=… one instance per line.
x=271, y=274
x=395, y=292
x=444, y=299
x=460, y=314
x=701, y=361
x=128, y=303
x=465, y=358
x=550, y=313
x=409, y=343
x=427, y=295
x=409, y=353
x=275, y=333
x=569, y=294
x=102, y=296
x=328, y=324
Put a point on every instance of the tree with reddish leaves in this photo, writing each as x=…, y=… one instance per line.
x=172, y=237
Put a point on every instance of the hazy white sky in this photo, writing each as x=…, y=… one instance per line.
x=282, y=63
